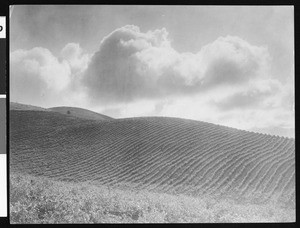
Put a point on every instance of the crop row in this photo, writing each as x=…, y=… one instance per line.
x=156, y=153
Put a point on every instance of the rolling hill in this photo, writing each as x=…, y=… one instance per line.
x=80, y=113
x=19, y=106
x=159, y=154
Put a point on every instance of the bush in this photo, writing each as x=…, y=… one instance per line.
x=40, y=200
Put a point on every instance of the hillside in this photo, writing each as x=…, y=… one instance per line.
x=71, y=111
x=80, y=113
x=159, y=154
x=19, y=106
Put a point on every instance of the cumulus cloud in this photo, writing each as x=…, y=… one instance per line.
x=75, y=57
x=256, y=94
x=131, y=65
x=116, y=72
x=36, y=75
x=40, y=78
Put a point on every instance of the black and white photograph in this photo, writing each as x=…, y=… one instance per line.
x=151, y=114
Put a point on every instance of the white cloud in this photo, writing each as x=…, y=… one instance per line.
x=38, y=77
x=75, y=57
x=131, y=65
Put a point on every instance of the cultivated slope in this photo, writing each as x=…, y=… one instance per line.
x=80, y=113
x=155, y=153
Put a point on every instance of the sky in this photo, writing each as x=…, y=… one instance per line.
x=227, y=65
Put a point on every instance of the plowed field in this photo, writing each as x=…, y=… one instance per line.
x=160, y=154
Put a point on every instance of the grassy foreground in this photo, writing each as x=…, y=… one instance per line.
x=41, y=200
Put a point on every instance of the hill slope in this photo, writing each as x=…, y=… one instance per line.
x=80, y=113
x=19, y=106
x=154, y=153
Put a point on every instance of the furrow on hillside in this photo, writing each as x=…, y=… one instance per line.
x=160, y=154
x=263, y=179
x=233, y=178
x=255, y=162
x=162, y=149
x=289, y=185
x=281, y=153
x=206, y=153
x=186, y=177
x=223, y=146
x=284, y=175
x=161, y=173
x=157, y=149
x=208, y=169
x=260, y=169
x=154, y=157
x=236, y=157
x=284, y=166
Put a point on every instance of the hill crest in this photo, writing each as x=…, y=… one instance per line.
x=27, y=107
x=66, y=110
x=80, y=113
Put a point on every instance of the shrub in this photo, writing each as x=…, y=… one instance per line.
x=40, y=200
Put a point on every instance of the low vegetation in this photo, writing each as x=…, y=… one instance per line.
x=41, y=200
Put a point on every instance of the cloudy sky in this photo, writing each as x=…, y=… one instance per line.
x=232, y=66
